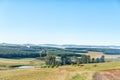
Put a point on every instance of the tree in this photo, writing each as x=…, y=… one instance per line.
x=78, y=61
x=65, y=60
x=102, y=59
x=50, y=60
x=74, y=60
x=97, y=60
x=85, y=59
x=88, y=59
x=93, y=60
x=40, y=53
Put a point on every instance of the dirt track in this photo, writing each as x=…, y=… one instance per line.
x=107, y=75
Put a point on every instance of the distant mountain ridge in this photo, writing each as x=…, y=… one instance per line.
x=63, y=46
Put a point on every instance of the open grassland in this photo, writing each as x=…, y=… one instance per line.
x=71, y=72
x=6, y=63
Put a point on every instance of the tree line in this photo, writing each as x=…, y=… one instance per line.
x=52, y=61
x=32, y=52
x=104, y=50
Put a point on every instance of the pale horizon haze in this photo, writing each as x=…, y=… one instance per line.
x=82, y=22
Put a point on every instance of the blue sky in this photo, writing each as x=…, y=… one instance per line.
x=84, y=22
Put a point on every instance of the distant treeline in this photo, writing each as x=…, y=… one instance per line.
x=37, y=51
x=32, y=51
x=104, y=50
x=19, y=52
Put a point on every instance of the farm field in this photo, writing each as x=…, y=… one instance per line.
x=71, y=72
x=108, y=57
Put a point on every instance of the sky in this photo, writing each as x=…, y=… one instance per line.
x=82, y=22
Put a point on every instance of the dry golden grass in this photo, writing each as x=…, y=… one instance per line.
x=107, y=57
x=61, y=73
x=41, y=74
x=25, y=61
x=95, y=54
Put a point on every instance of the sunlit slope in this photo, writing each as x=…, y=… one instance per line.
x=84, y=72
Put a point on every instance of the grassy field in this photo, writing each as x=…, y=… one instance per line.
x=70, y=72
x=7, y=63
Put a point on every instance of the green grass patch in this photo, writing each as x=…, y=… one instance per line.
x=79, y=77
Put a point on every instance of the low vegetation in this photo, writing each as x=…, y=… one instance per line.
x=51, y=60
x=68, y=72
x=32, y=51
x=18, y=51
x=52, y=63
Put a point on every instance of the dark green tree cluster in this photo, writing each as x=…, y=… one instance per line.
x=51, y=61
x=84, y=59
x=65, y=60
x=20, y=52
x=104, y=50
x=98, y=60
